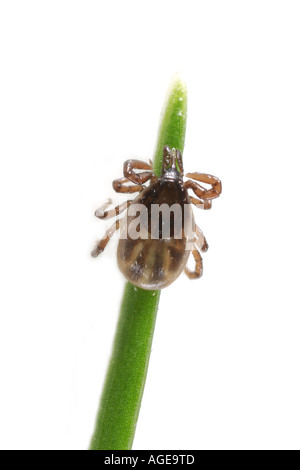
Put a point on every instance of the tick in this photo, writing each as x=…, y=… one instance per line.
x=156, y=254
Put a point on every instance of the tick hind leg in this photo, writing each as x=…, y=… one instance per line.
x=104, y=241
x=102, y=213
x=198, y=271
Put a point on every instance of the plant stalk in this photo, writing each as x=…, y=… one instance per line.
x=126, y=375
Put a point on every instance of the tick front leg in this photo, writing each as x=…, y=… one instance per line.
x=198, y=266
x=101, y=213
x=104, y=241
x=199, y=190
x=138, y=178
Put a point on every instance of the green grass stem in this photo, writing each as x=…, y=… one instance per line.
x=126, y=375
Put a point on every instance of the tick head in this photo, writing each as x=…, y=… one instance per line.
x=172, y=167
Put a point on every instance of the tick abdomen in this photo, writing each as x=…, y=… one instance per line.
x=152, y=264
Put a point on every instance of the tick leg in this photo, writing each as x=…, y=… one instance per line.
x=201, y=203
x=104, y=241
x=201, y=240
x=137, y=178
x=101, y=213
x=120, y=186
x=200, y=191
x=103, y=207
x=198, y=266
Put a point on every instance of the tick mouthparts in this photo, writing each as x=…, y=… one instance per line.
x=173, y=159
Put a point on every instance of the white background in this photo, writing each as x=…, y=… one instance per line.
x=82, y=84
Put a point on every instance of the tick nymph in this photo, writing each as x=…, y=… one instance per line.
x=158, y=231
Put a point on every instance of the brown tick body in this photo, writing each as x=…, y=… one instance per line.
x=153, y=257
